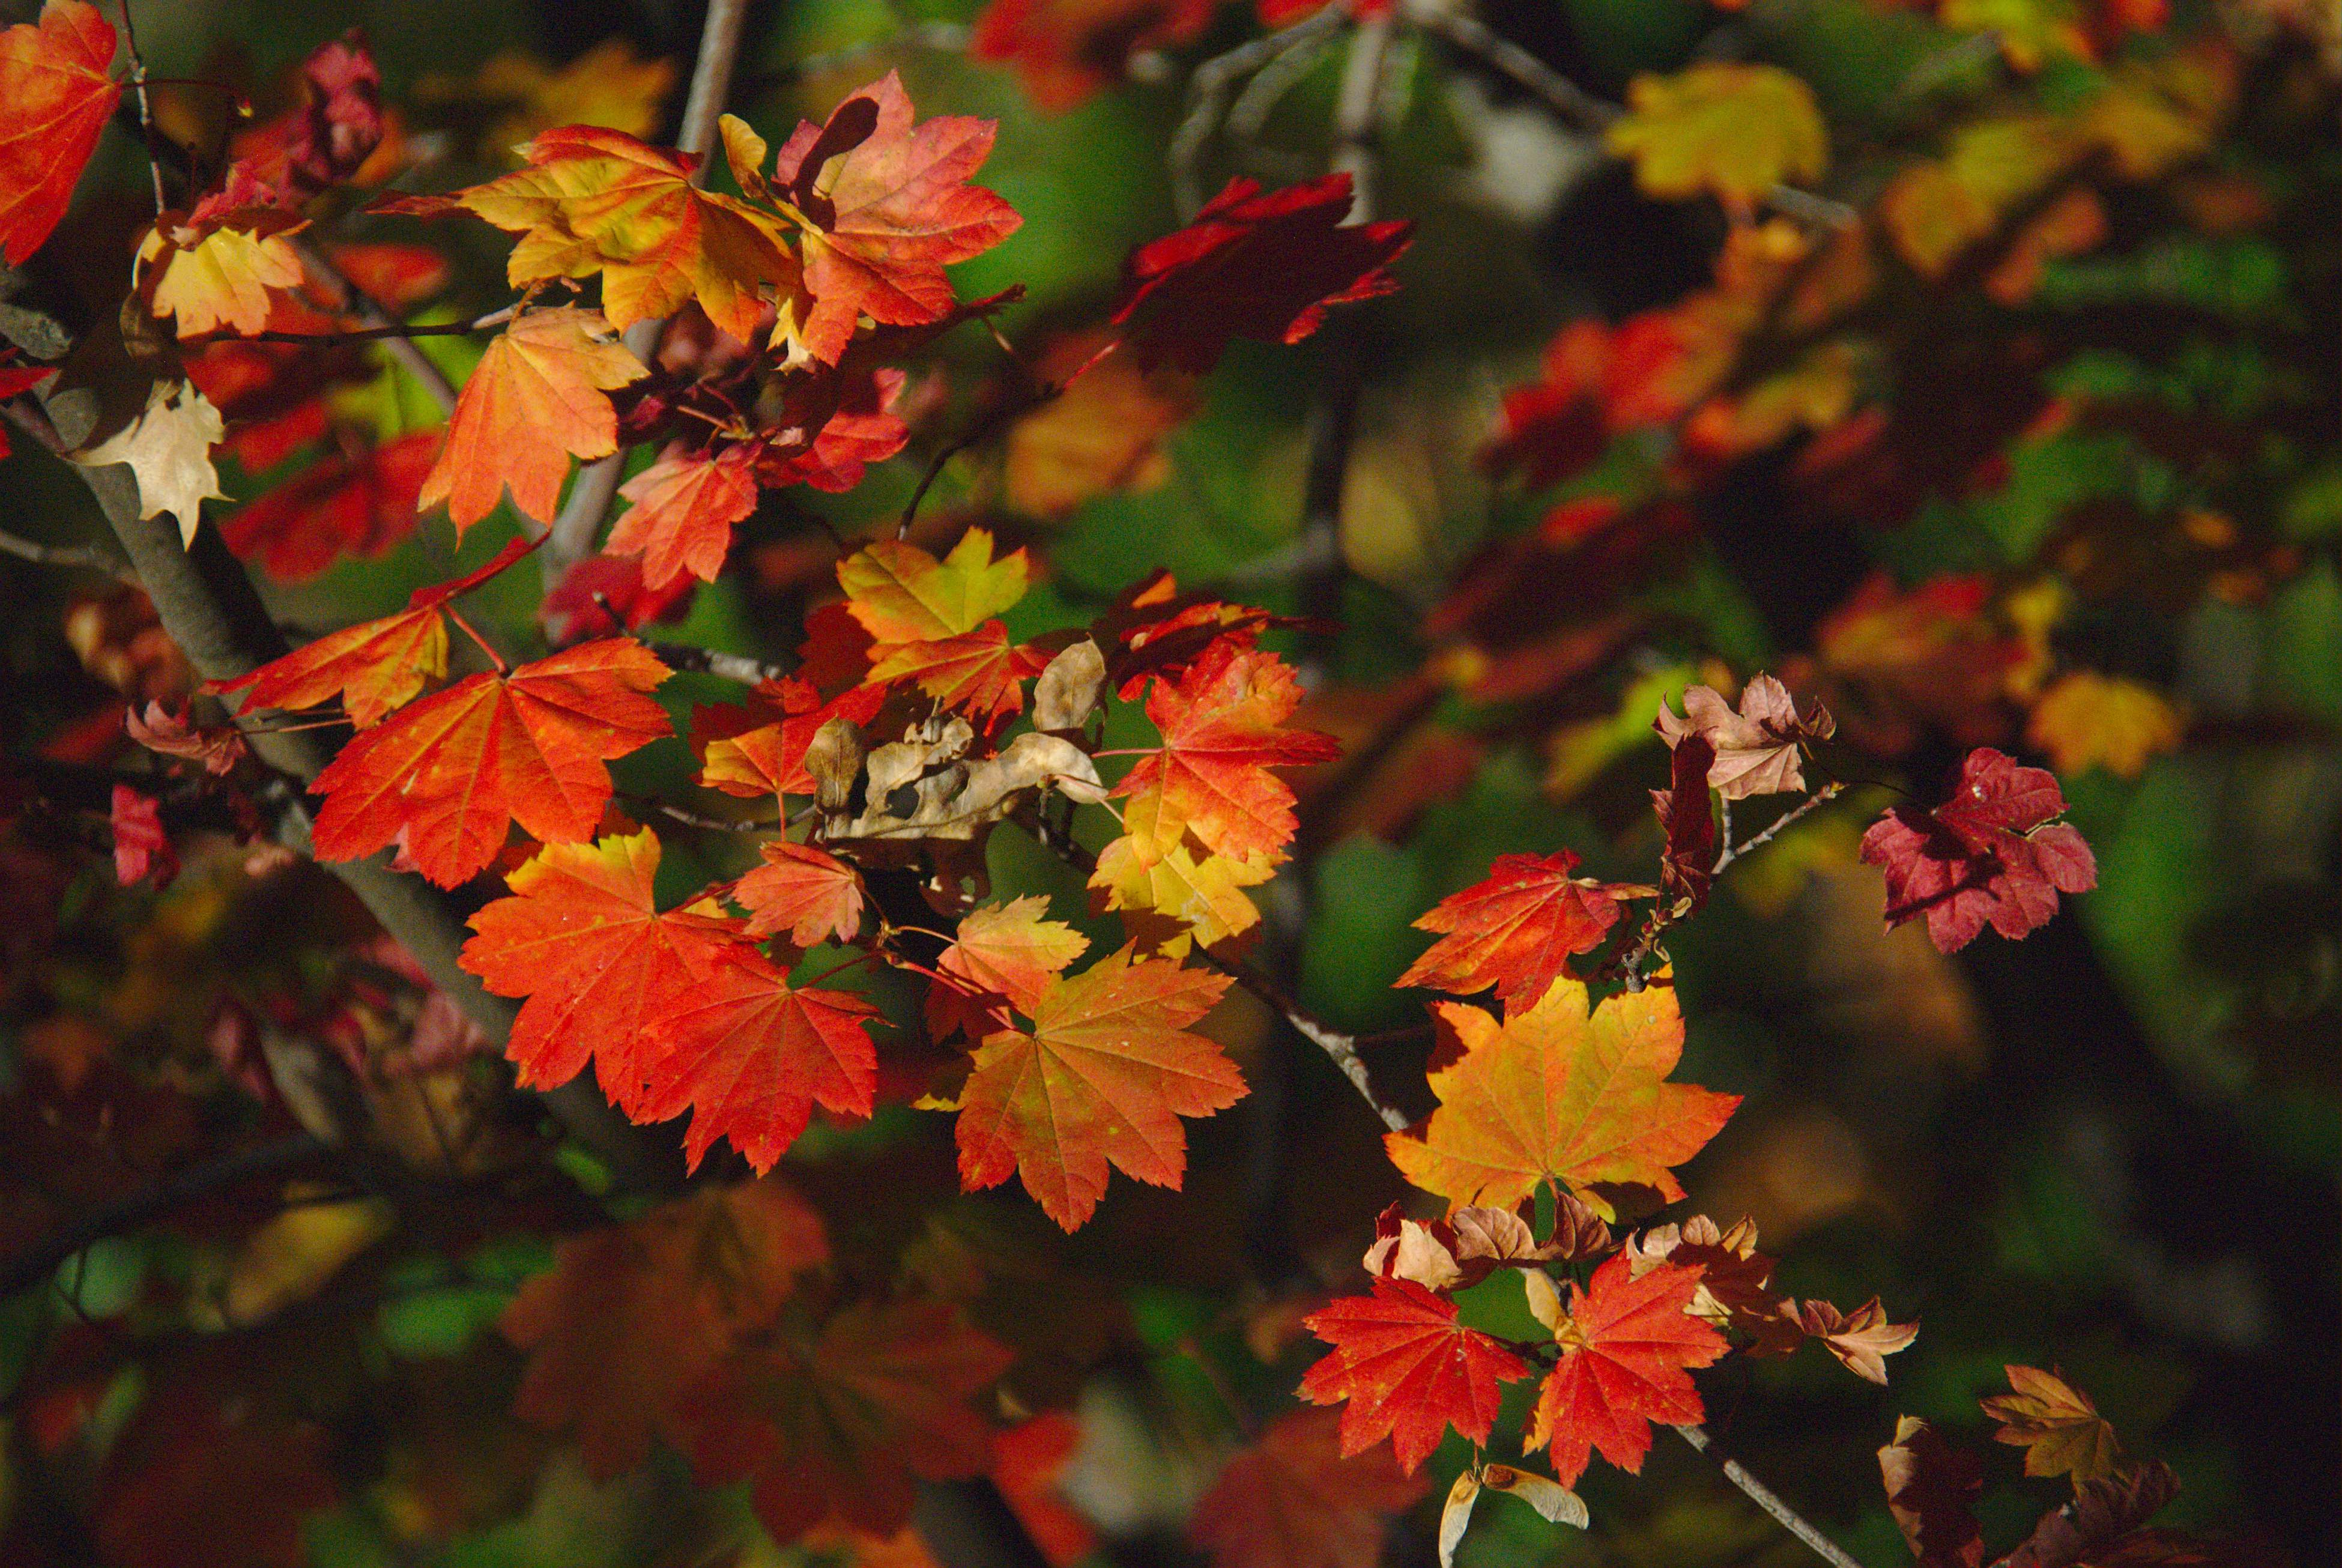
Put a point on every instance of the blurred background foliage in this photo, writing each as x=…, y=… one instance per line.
x=2113, y=1147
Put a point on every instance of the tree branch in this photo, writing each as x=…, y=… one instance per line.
x=579, y=522
x=1766, y=1498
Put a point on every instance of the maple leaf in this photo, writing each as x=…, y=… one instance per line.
x=1720, y=125
x=888, y=206
x=168, y=446
x=582, y=939
x=1254, y=266
x=2101, y=1514
x=343, y=505
x=1102, y=432
x=218, y=272
x=684, y=507
x=327, y=136
x=1066, y=51
x=1407, y=1369
x=837, y=1423
x=142, y=847
x=1734, y=1280
x=56, y=96
x=2088, y=720
x=1560, y=1095
x=1862, y=1339
x=1102, y=1078
x=373, y=667
x=1627, y=1348
x=1757, y=748
x=1515, y=931
x=1989, y=855
x=630, y=1316
x=534, y=401
x=811, y=894
x=1292, y=1499
x=218, y=747
x=1193, y=895
x=901, y=593
x=593, y=200
x=770, y=758
x=1008, y=951
x=1028, y=1460
x=1931, y=1489
x=2054, y=1423
x=602, y=595
x=978, y=674
x=447, y=776
x=1223, y=729
x=750, y=1055
x=1687, y=864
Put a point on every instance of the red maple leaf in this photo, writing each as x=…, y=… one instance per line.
x=1990, y=854
x=1688, y=865
x=55, y=96
x=1253, y=266
x=891, y=208
x=685, y=506
x=1297, y=1499
x=448, y=775
x=750, y=1055
x=342, y=505
x=1222, y=732
x=324, y=139
x=142, y=848
x=1066, y=51
x=1626, y=1350
x=1408, y=1369
x=839, y=1423
x=811, y=894
x=581, y=937
x=1515, y=931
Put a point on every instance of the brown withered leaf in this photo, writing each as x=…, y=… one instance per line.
x=1931, y=1489
x=1862, y=1339
x=1757, y=748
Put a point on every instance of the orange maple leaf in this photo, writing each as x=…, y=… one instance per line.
x=1006, y=950
x=631, y=1317
x=1102, y=1078
x=887, y=206
x=979, y=673
x=56, y=96
x=582, y=938
x=536, y=400
x=1296, y=1499
x=373, y=667
x=1222, y=725
x=811, y=894
x=685, y=506
x=449, y=774
x=839, y=1423
x=750, y=1055
x=757, y=759
x=1515, y=931
x=2054, y=1423
x=599, y=201
x=341, y=504
x=1560, y=1095
x=1626, y=1350
x=1408, y=1371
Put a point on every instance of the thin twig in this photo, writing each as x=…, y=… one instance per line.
x=387, y=331
x=1732, y=852
x=579, y=522
x=78, y=558
x=145, y=109
x=1766, y=1498
x=362, y=304
x=148, y=1205
x=738, y=667
x=943, y=37
x=1207, y=90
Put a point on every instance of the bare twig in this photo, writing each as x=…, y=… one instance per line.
x=79, y=557
x=1766, y=1498
x=579, y=523
x=1732, y=852
x=943, y=37
x=1208, y=91
x=145, y=109
x=398, y=344
x=738, y=667
x=150, y=1204
x=386, y=331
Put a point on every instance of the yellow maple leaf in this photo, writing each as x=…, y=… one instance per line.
x=209, y=278
x=901, y=593
x=2088, y=720
x=2054, y=1423
x=1562, y=1093
x=1734, y=129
